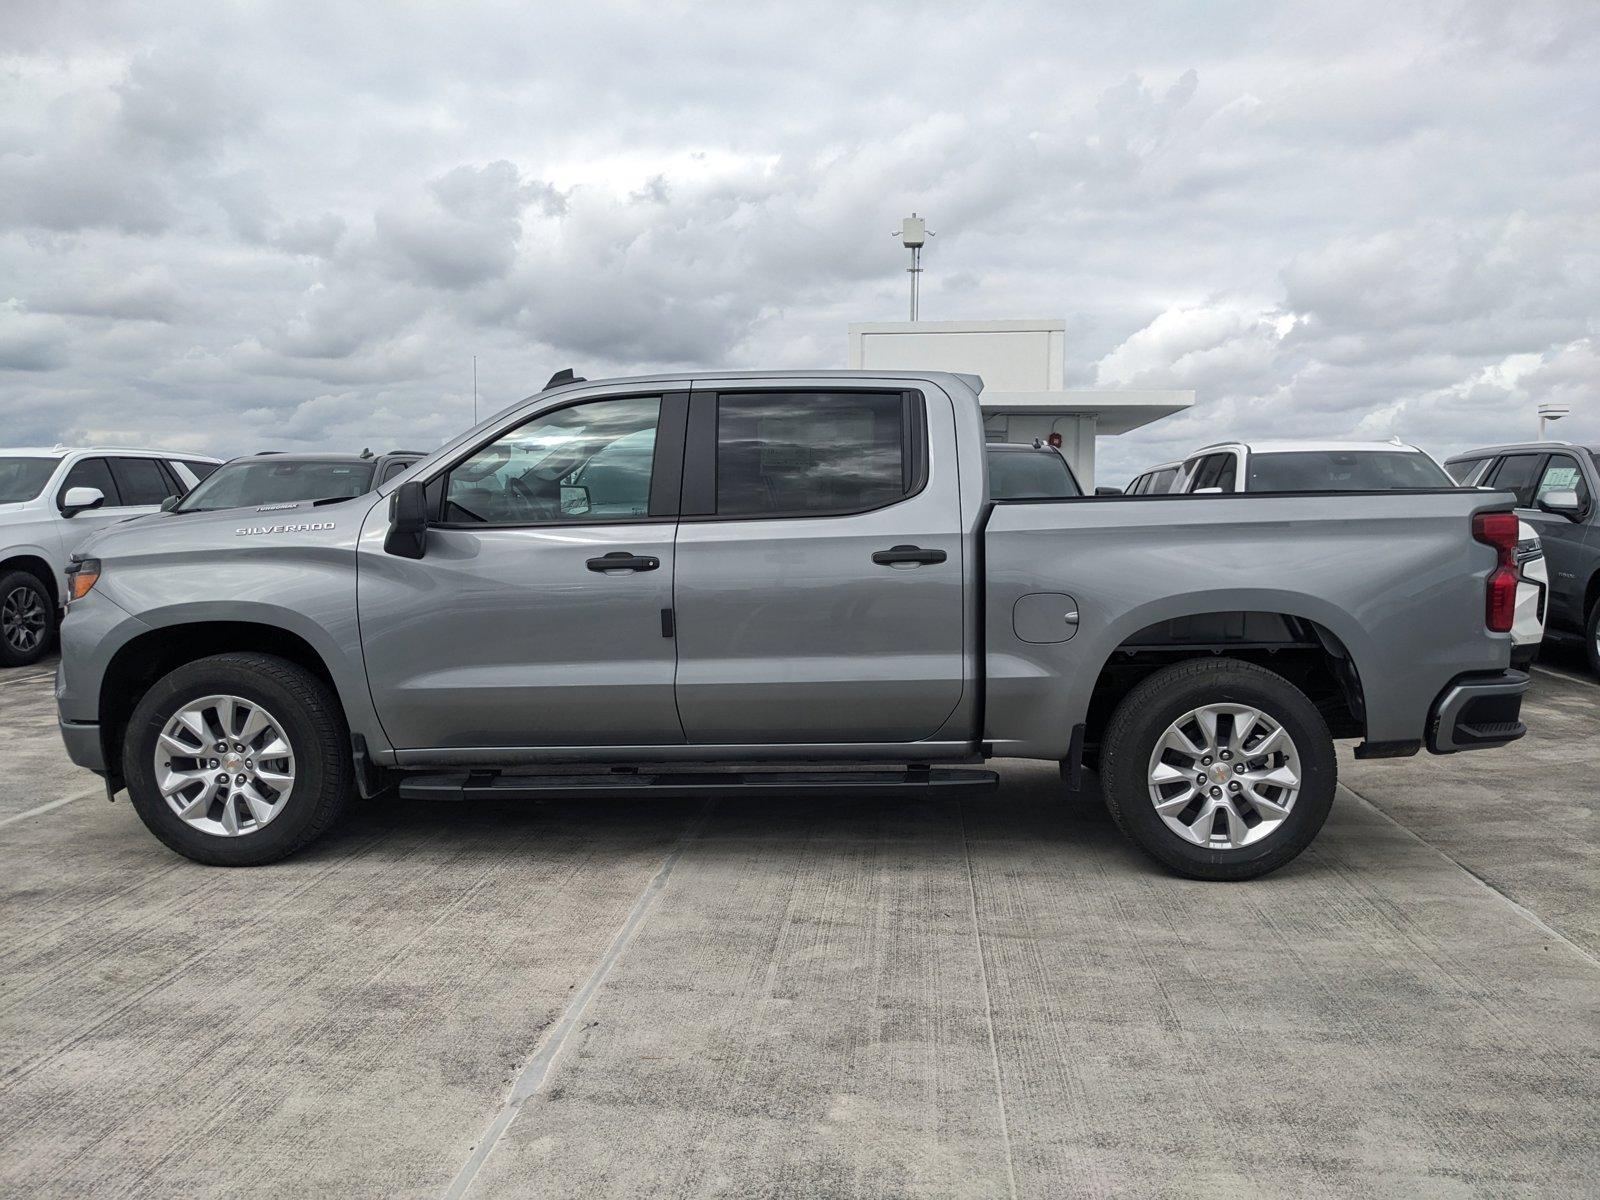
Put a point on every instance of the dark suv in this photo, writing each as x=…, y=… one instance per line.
x=275, y=478
x=1556, y=484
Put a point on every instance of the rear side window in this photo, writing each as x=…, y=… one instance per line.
x=141, y=480
x=200, y=469
x=1561, y=474
x=1462, y=471
x=91, y=472
x=390, y=470
x=794, y=453
x=1517, y=473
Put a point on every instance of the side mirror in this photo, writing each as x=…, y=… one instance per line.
x=408, y=521
x=574, y=500
x=1107, y=491
x=81, y=499
x=1210, y=491
x=170, y=503
x=1563, y=502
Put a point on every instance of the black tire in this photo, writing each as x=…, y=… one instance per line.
x=1162, y=698
x=310, y=718
x=27, y=619
x=1591, y=637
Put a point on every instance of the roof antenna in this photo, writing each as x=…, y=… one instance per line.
x=474, y=389
x=562, y=376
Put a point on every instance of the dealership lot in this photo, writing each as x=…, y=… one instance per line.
x=873, y=998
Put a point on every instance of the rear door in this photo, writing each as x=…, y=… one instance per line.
x=818, y=594
x=539, y=612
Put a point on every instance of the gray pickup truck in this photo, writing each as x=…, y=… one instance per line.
x=778, y=583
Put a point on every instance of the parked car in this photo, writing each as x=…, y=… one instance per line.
x=804, y=571
x=273, y=478
x=1310, y=466
x=1157, y=481
x=1024, y=471
x=1533, y=597
x=1555, y=484
x=50, y=500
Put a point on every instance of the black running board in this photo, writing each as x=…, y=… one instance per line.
x=486, y=785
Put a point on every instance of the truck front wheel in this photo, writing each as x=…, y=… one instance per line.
x=1219, y=769
x=238, y=759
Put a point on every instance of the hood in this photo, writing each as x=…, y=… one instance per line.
x=232, y=530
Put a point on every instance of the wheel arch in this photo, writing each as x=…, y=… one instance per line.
x=36, y=564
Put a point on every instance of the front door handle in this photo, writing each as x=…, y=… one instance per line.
x=623, y=560
x=907, y=554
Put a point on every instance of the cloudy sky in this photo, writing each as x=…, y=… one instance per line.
x=228, y=226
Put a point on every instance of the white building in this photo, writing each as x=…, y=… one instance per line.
x=1023, y=365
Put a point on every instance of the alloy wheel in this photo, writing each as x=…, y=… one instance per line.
x=23, y=620
x=224, y=765
x=1224, y=776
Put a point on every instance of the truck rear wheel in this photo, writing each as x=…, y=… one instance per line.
x=238, y=759
x=1219, y=769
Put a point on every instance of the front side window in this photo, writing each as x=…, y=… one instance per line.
x=1227, y=472
x=1517, y=473
x=93, y=473
x=1344, y=471
x=24, y=478
x=1161, y=482
x=589, y=462
x=1462, y=471
x=1561, y=474
x=140, y=481
x=1208, y=472
x=799, y=453
x=200, y=469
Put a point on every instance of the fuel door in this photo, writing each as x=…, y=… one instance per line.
x=1041, y=617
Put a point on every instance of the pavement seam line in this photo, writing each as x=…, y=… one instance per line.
x=536, y=1071
x=988, y=1006
x=1526, y=913
x=1567, y=675
x=44, y=808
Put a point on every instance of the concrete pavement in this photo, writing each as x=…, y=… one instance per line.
x=908, y=998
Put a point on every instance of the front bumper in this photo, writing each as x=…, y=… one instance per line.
x=1477, y=711
x=83, y=744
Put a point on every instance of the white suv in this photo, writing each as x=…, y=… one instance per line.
x=50, y=501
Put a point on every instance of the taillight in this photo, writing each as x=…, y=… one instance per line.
x=1499, y=529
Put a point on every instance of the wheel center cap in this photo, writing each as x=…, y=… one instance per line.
x=233, y=762
x=1221, y=772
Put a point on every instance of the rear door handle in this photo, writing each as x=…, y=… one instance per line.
x=623, y=560
x=907, y=554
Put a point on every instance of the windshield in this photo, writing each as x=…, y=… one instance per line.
x=1345, y=471
x=251, y=483
x=24, y=478
x=1030, y=475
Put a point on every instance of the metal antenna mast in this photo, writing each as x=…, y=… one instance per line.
x=913, y=232
x=474, y=389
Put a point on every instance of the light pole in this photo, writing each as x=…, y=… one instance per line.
x=913, y=232
x=1550, y=412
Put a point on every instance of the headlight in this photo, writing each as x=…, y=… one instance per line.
x=82, y=575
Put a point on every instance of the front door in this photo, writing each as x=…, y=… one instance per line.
x=819, y=567
x=1563, y=539
x=535, y=616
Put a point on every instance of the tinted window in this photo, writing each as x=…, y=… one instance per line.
x=1208, y=472
x=201, y=470
x=91, y=472
x=1462, y=471
x=24, y=478
x=1344, y=471
x=1516, y=473
x=810, y=452
x=1030, y=475
x=1561, y=474
x=391, y=469
x=1227, y=472
x=590, y=462
x=1161, y=481
x=252, y=482
x=140, y=480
